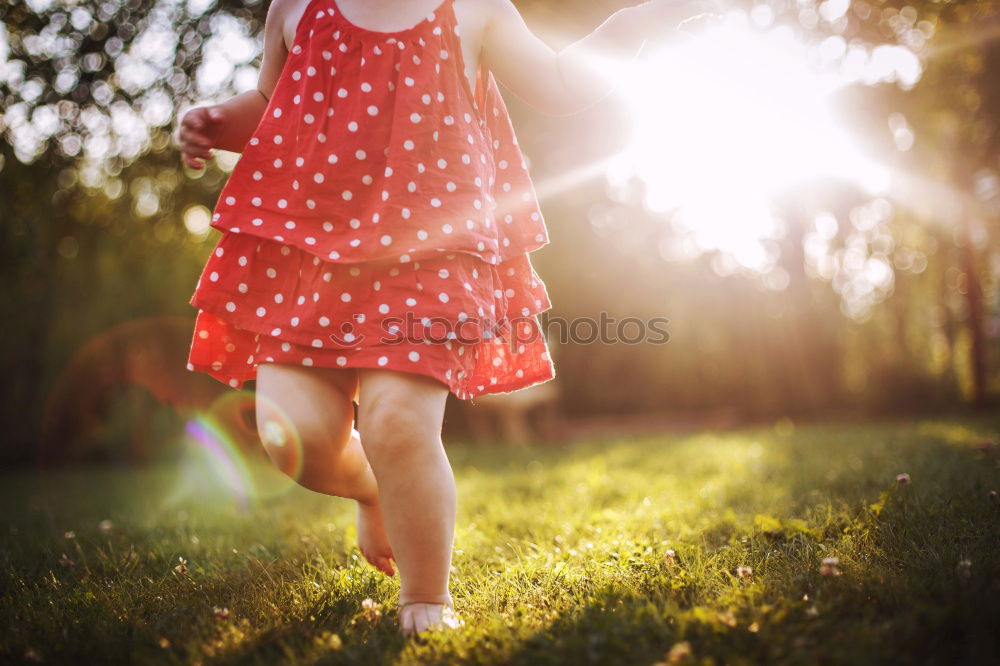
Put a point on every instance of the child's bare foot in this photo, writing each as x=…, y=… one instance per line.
x=416, y=616
x=372, y=539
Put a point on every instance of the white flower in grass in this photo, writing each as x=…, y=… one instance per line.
x=830, y=567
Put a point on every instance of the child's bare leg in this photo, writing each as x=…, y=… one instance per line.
x=400, y=416
x=313, y=408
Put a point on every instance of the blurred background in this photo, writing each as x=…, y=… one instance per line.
x=809, y=192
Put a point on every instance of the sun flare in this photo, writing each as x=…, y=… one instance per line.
x=725, y=122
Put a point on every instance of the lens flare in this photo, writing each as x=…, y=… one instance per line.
x=221, y=458
x=730, y=121
x=222, y=451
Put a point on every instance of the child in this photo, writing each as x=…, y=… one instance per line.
x=376, y=232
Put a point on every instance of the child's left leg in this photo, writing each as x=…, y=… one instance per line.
x=400, y=416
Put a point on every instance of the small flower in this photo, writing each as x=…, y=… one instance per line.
x=965, y=567
x=182, y=567
x=727, y=618
x=66, y=562
x=744, y=572
x=69, y=535
x=330, y=640
x=812, y=612
x=105, y=527
x=992, y=494
x=903, y=479
x=163, y=643
x=670, y=557
x=370, y=610
x=830, y=567
x=220, y=613
x=678, y=652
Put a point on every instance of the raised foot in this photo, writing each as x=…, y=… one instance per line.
x=372, y=539
x=417, y=617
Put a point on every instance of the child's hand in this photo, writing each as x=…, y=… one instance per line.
x=198, y=132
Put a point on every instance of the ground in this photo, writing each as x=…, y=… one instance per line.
x=700, y=548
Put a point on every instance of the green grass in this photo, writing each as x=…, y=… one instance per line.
x=561, y=557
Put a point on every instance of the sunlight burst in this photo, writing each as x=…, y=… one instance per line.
x=726, y=122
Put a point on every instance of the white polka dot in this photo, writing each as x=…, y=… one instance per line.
x=386, y=239
x=345, y=297
x=443, y=297
x=277, y=112
x=382, y=360
x=318, y=177
x=261, y=312
x=414, y=356
x=372, y=110
x=352, y=126
x=408, y=144
x=361, y=154
x=231, y=307
x=384, y=308
x=347, y=195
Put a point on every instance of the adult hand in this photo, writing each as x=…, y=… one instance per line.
x=659, y=14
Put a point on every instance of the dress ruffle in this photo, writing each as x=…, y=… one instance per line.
x=304, y=310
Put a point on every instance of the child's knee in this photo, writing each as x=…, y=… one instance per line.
x=305, y=447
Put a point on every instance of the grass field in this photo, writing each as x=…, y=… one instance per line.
x=701, y=549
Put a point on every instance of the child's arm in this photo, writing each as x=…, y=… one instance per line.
x=566, y=82
x=230, y=124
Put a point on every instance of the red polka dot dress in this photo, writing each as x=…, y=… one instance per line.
x=381, y=216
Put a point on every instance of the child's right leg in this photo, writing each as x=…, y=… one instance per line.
x=305, y=417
